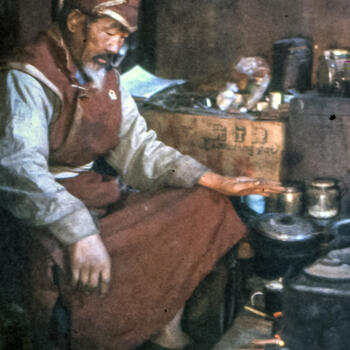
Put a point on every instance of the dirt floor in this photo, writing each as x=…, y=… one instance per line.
x=249, y=326
x=246, y=328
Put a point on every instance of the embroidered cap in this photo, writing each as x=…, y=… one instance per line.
x=123, y=11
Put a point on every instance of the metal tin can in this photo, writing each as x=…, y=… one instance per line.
x=290, y=201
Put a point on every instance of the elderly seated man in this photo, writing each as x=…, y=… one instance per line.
x=124, y=263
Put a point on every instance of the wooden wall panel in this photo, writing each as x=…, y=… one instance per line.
x=234, y=146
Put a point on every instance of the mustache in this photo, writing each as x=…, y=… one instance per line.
x=107, y=57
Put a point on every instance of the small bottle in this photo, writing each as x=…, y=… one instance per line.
x=323, y=199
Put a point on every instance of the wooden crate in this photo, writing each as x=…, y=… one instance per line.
x=235, y=145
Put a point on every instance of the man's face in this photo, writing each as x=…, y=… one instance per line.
x=95, y=41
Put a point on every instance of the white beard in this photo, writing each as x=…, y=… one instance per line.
x=96, y=76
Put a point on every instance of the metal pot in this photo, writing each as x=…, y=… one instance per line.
x=281, y=240
x=270, y=298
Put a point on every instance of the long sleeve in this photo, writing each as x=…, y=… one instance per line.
x=27, y=188
x=145, y=162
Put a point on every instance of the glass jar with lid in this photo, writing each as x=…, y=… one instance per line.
x=323, y=198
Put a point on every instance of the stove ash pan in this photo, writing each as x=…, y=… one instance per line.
x=316, y=305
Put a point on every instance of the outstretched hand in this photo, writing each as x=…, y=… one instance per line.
x=239, y=186
x=90, y=265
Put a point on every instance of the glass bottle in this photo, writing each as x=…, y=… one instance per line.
x=323, y=199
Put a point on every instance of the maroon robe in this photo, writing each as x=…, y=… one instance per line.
x=161, y=244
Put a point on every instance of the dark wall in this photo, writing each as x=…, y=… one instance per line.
x=199, y=39
x=204, y=37
x=21, y=20
x=34, y=15
x=329, y=23
x=9, y=25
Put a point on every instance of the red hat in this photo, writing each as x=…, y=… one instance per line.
x=123, y=11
